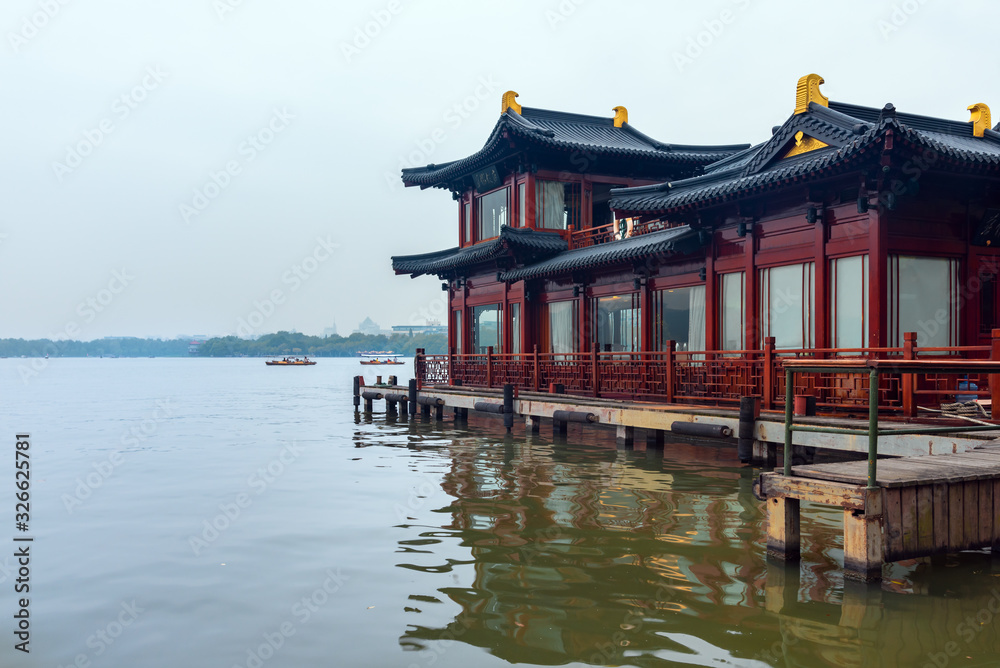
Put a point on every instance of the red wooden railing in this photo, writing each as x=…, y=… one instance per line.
x=716, y=377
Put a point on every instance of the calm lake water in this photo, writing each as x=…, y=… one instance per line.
x=191, y=512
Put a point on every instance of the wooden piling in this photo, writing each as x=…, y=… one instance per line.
x=654, y=439
x=749, y=412
x=625, y=437
x=783, y=538
x=357, y=391
x=413, y=396
x=508, y=407
x=532, y=424
x=863, y=548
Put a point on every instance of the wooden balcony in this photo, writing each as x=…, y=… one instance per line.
x=602, y=234
x=721, y=378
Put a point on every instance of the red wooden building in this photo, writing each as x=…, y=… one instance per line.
x=594, y=256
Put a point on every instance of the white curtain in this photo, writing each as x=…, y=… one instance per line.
x=561, y=327
x=696, y=319
x=550, y=205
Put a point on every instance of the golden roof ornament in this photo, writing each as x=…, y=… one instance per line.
x=980, y=119
x=621, y=116
x=509, y=101
x=807, y=91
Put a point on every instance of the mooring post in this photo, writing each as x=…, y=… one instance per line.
x=390, y=407
x=863, y=539
x=412, y=399
x=392, y=380
x=368, y=405
x=783, y=539
x=749, y=412
x=508, y=407
x=357, y=392
x=439, y=412
x=625, y=437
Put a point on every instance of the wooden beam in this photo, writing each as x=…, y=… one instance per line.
x=776, y=485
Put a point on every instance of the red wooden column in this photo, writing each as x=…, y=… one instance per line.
x=711, y=299
x=878, y=286
x=995, y=378
x=769, y=372
x=671, y=347
x=751, y=340
x=646, y=318
x=909, y=379
x=584, y=334
x=820, y=298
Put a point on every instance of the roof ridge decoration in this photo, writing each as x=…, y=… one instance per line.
x=807, y=90
x=803, y=144
x=509, y=101
x=980, y=118
x=621, y=116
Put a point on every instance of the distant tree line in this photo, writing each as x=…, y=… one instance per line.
x=282, y=343
x=124, y=347
x=288, y=343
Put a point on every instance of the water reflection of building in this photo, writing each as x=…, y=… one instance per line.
x=590, y=555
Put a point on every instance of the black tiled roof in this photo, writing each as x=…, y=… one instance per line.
x=524, y=244
x=564, y=131
x=849, y=130
x=674, y=240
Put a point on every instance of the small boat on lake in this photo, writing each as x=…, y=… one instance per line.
x=290, y=361
x=380, y=358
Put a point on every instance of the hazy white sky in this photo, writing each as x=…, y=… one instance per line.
x=178, y=167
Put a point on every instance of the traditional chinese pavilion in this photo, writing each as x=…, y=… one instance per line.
x=594, y=256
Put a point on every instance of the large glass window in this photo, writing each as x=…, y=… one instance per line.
x=787, y=309
x=557, y=205
x=617, y=322
x=849, y=302
x=487, y=329
x=467, y=222
x=923, y=298
x=515, y=328
x=456, y=323
x=732, y=324
x=522, y=204
x=561, y=324
x=494, y=212
x=679, y=316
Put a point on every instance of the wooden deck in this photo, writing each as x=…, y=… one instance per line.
x=922, y=506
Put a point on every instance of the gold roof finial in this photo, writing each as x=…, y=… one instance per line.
x=621, y=116
x=807, y=91
x=980, y=119
x=509, y=101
